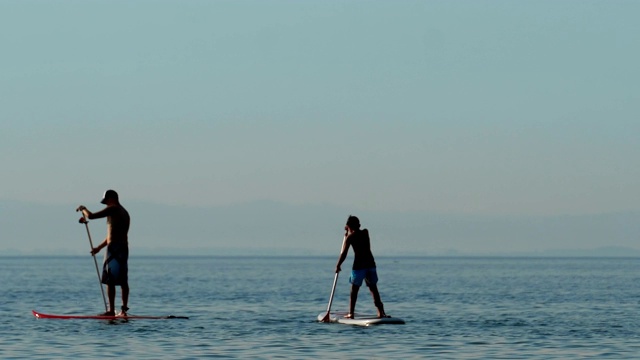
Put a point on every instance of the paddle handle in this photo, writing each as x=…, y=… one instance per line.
x=95, y=262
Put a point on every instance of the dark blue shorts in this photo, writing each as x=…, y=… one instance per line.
x=370, y=276
x=115, y=269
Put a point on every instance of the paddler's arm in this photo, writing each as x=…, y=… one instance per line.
x=97, y=249
x=85, y=213
x=343, y=253
x=98, y=215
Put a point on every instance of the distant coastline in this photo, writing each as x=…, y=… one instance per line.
x=279, y=229
x=602, y=252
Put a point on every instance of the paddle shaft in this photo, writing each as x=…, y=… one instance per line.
x=86, y=224
x=333, y=288
x=333, y=291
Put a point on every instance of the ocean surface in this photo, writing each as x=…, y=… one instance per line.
x=266, y=308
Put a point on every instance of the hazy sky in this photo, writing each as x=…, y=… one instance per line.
x=475, y=107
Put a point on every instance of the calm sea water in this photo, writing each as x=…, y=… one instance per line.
x=247, y=307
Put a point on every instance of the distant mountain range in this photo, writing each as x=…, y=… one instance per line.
x=272, y=228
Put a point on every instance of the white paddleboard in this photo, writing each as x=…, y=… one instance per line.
x=359, y=319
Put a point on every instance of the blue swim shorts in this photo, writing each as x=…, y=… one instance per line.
x=370, y=276
x=115, y=268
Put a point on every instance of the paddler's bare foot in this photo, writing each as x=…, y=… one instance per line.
x=383, y=315
x=348, y=316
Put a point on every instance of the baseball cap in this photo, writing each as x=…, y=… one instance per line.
x=109, y=194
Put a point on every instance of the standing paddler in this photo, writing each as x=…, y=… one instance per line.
x=364, y=265
x=115, y=268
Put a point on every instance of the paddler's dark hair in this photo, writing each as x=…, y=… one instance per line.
x=353, y=222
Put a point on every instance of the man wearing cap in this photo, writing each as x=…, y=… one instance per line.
x=364, y=265
x=115, y=269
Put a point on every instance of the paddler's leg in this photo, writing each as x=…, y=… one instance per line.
x=376, y=300
x=111, y=294
x=352, y=301
x=125, y=297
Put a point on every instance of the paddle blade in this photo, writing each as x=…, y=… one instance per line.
x=326, y=318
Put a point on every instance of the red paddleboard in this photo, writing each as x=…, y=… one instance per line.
x=101, y=317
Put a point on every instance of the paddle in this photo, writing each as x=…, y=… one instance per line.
x=333, y=288
x=84, y=221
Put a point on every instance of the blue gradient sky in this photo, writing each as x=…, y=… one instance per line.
x=474, y=107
